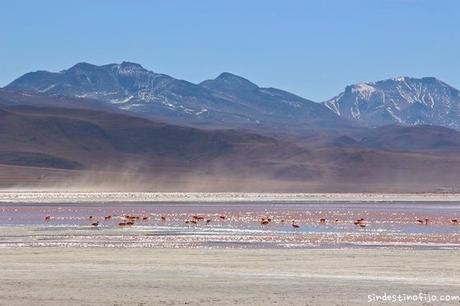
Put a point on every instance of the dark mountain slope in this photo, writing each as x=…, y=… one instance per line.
x=414, y=138
x=227, y=101
x=86, y=139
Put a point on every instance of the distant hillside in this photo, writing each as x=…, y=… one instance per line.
x=57, y=142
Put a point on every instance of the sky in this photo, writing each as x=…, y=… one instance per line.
x=311, y=48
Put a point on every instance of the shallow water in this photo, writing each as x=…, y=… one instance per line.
x=387, y=225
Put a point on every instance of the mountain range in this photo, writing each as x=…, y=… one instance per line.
x=227, y=101
x=393, y=135
x=232, y=101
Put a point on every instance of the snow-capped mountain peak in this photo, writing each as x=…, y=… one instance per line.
x=399, y=79
x=401, y=100
x=129, y=68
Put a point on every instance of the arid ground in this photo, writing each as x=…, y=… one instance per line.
x=145, y=276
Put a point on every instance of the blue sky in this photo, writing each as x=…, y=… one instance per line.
x=311, y=48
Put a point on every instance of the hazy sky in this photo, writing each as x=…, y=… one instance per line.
x=312, y=48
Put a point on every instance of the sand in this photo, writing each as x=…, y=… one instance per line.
x=146, y=276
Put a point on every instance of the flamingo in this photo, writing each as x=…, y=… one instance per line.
x=322, y=220
x=145, y=218
x=360, y=222
x=264, y=222
x=199, y=218
x=126, y=222
x=108, y=217
x=454, y=221
x=222, y=217
x=208, y=221
x=47, y=218
x=163, y=218
x=427, y=221
x=295, y=225
x=419, y=221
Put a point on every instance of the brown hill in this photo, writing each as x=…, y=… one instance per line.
x=51, y=145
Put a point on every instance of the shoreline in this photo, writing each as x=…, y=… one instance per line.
x=32, y=196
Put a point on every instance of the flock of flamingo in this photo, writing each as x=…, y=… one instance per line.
x=129, y=220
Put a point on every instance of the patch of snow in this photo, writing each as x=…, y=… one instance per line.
x=355, y=113
x=363, y=90
x=399, y=79
x=333, y=104
x=47, y=88
x=121, y=101
x=393, y=115
x=204, y=110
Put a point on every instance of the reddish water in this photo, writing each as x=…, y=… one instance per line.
x=392, y=225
